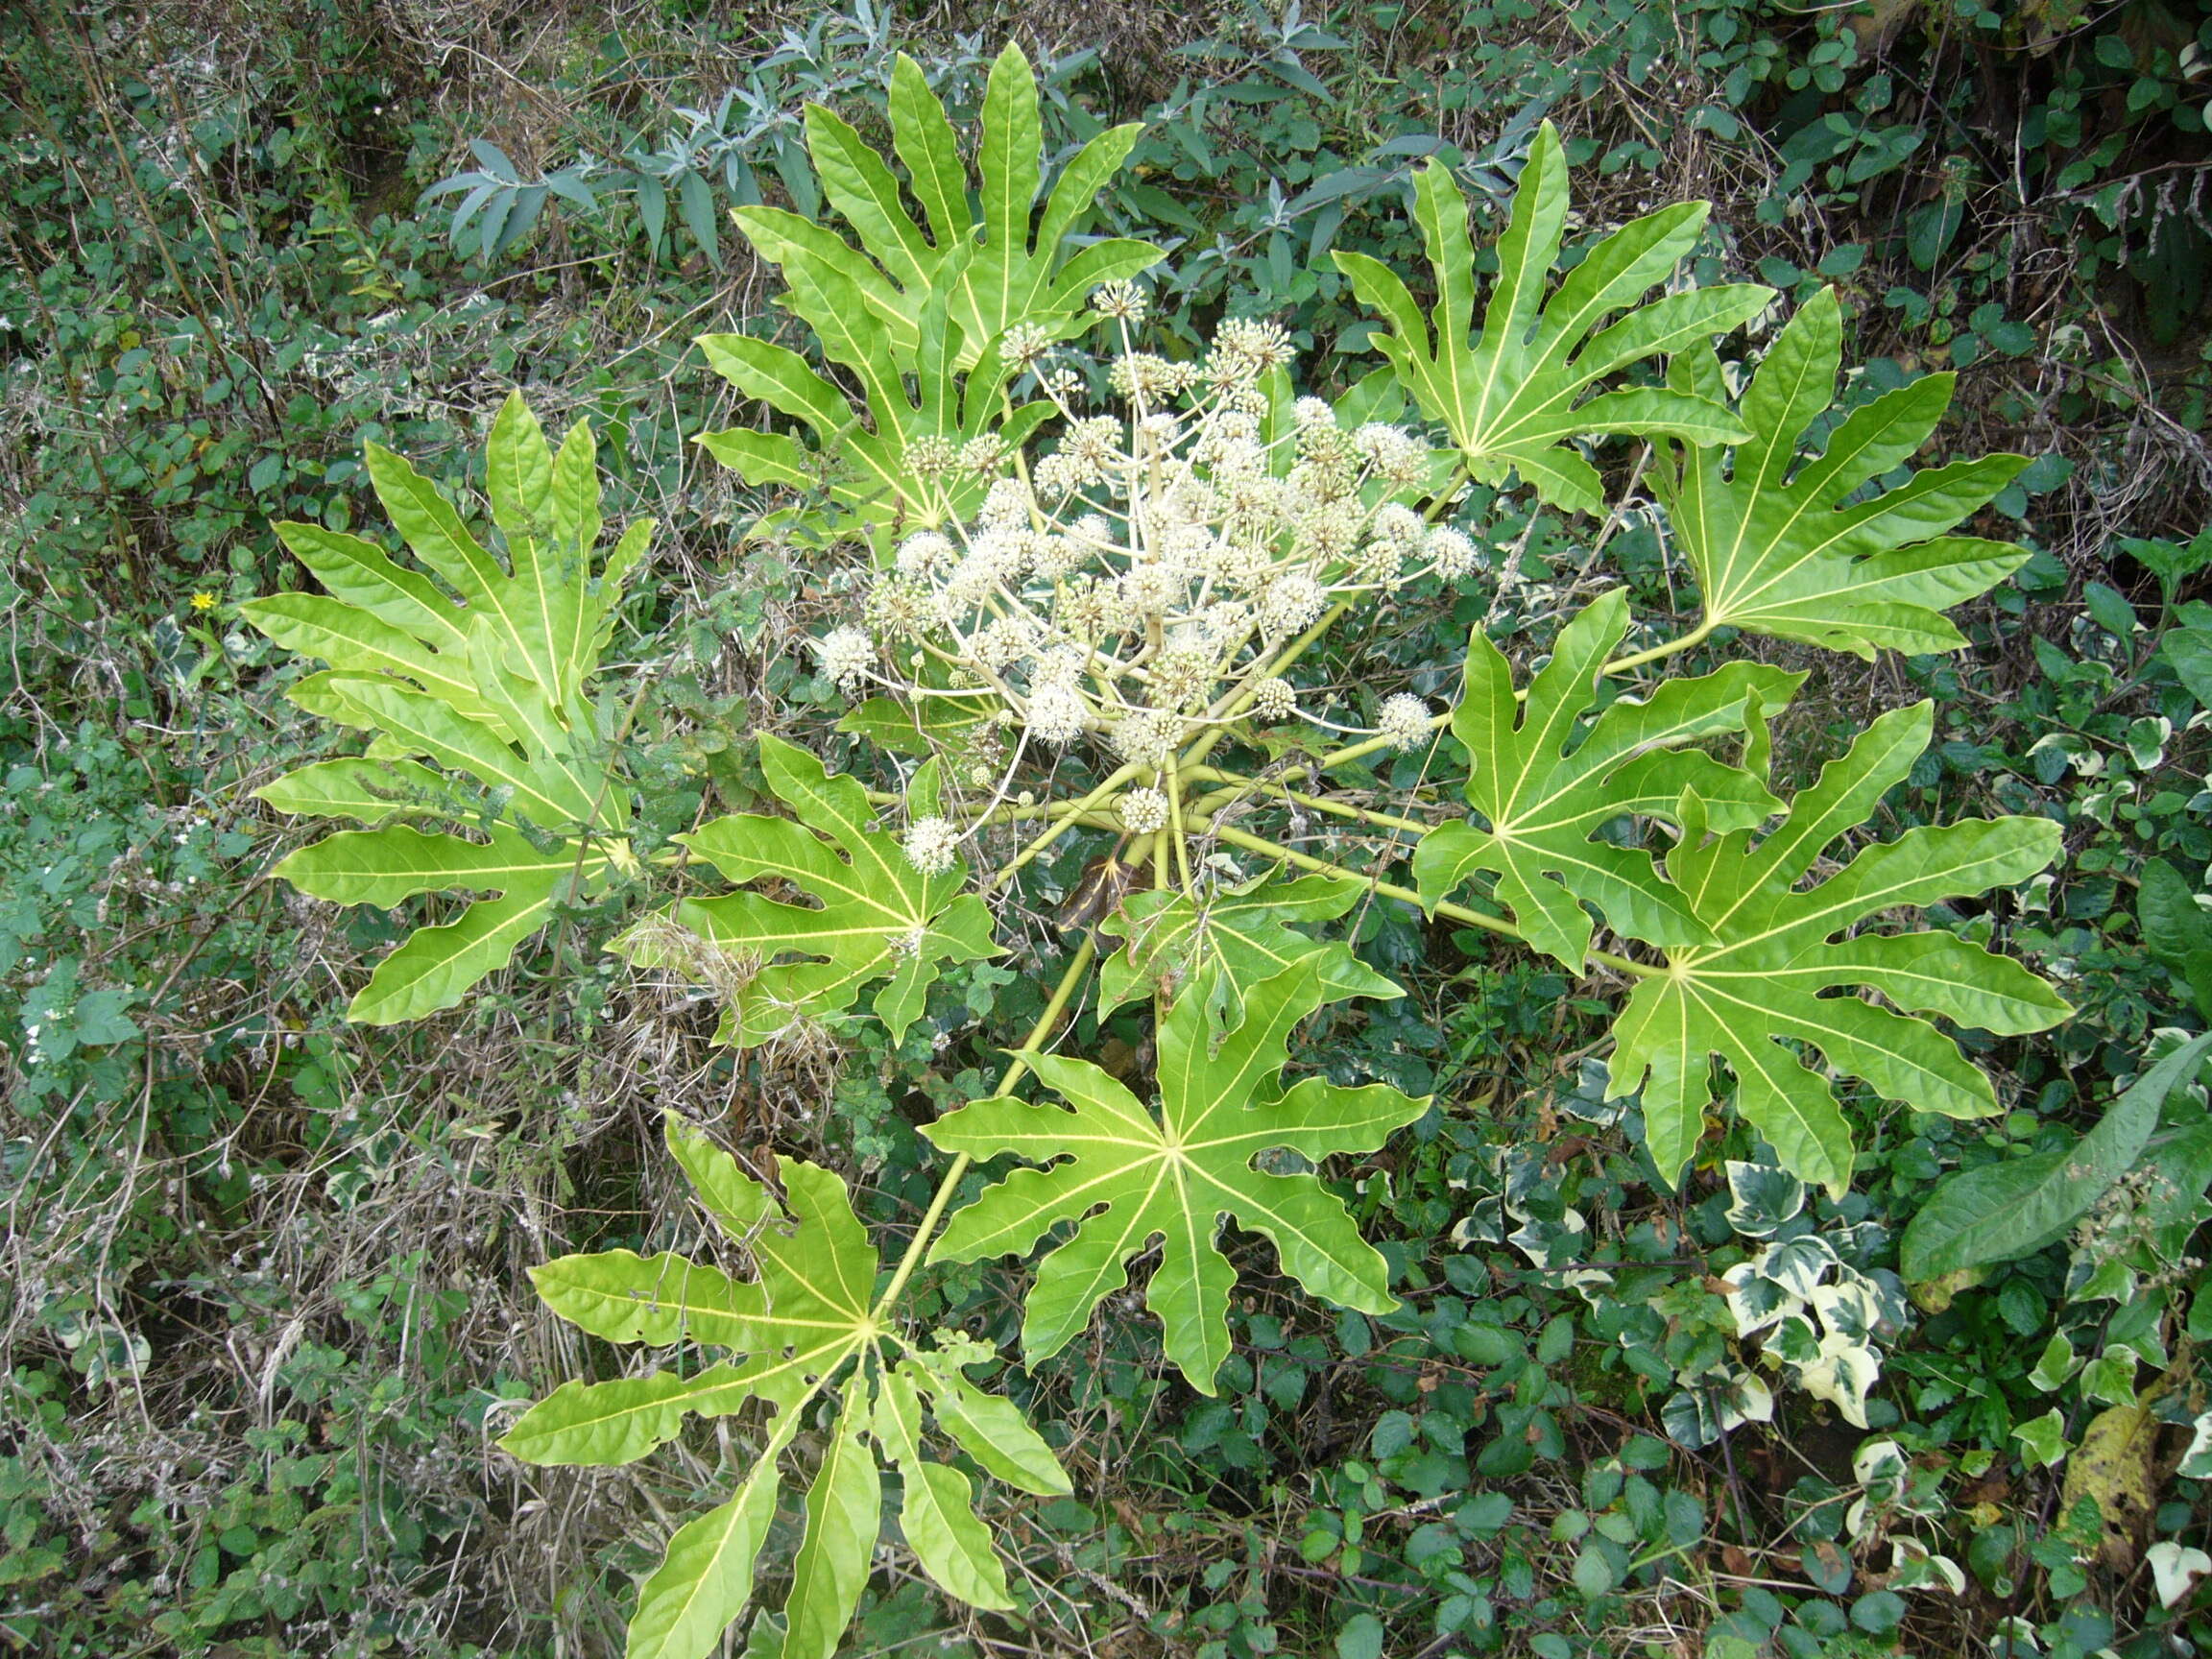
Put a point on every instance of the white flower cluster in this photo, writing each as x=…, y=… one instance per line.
x=1137, y=580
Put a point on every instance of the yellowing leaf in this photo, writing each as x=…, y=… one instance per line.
x=876, y=915
x=1768, y=979
x=1176, y=1176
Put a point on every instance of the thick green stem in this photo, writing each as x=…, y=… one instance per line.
x=1075, y=814
x=1697, y=636
x=1391, y=890
x=1239, y=784
x=1064, y=993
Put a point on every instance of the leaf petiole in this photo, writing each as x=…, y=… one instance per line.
x=1077, y=966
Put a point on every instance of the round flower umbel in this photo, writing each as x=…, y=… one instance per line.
x=1144, y=581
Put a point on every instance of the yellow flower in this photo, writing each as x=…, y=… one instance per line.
x=204, y=600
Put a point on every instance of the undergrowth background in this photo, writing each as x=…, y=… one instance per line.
x=263, y=1302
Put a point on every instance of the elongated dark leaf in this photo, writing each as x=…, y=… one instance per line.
x=2003, y=1212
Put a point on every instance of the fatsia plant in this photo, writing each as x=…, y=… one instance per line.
x=470, y=675
x=1545, y=783
x=1088, y=642
x=1760, y=994
x=804, y=1328
x=1133, y=1177
x=997, y=264
x=873, y=913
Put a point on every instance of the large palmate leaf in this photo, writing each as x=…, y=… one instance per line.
x=997, y=263
x=1545, y=782
x=916, y=313
x=804, y=1325
x=1513, y=394
x=477, y=666
x=874, y=914
x=1175, y=1176
x=1777, y=541
x=1233, y=941
x=871, y=461
x=1783, y=974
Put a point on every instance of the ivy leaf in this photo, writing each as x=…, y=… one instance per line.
x=876, y=914
x=1779, y=544
x=1511, y=396
x=490, y=689
x=1175, y=1176
x=1768, y=979
x=1545, y=783
x=1245, y=932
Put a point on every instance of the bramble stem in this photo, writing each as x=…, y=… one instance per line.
x=1078, y=966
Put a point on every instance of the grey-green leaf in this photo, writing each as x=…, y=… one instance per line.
x=2006, y=1210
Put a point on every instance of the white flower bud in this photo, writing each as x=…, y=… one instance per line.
x=1144, y=810
x=1404, y=721
x=846, y=655
x=932, y=845
x=1274, y=699
x=1452, y=553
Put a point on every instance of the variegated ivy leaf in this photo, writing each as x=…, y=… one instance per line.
x=873, y=913
x=1512, y=396
x=1777, y=538
x=1545, y=783
x=806, y=1323
x=1782, y=974
x=1130, y=1176
x=1244, y=932
x=476, y=665
x=999, y=262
